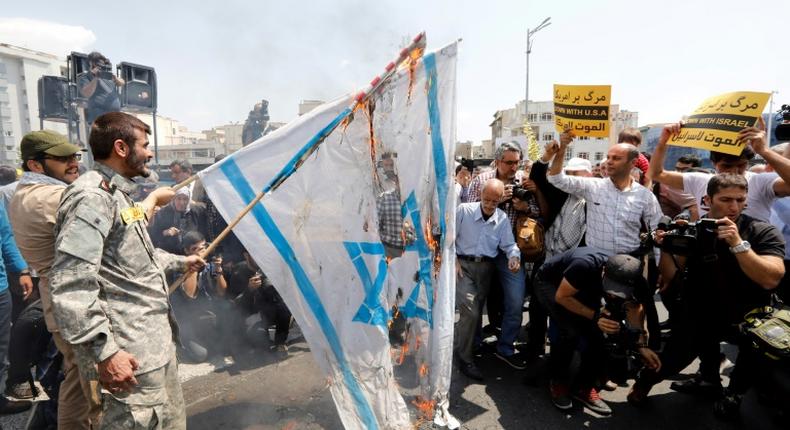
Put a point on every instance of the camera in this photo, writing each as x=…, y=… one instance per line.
x=687, y=238
x=621, y=348
x=520, y=192
x=628, y=337
x=783, y=129
x=105, y=70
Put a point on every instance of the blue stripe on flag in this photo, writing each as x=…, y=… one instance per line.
x=309, y=294
x=439, y=162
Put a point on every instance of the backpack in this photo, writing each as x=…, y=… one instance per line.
x=530, y=238
x=768, y=328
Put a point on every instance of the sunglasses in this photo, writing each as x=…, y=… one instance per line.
x=63, y=159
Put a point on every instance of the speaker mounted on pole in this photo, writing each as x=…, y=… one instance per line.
x=138, y=93
x=53, y=98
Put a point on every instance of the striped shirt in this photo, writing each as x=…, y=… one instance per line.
x=614, y=217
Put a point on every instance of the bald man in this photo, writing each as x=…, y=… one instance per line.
x=617, y=206
x=481, y=230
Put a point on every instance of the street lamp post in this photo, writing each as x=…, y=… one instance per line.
x=530, y=33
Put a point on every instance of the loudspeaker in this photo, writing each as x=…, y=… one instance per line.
x=139, y=92
x=53, y=100
x=78, y=63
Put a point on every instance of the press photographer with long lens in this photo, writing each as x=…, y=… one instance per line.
x=722, y=278
x=100, y=86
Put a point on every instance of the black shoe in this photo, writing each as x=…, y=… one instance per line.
x=560, y=396
x=728, y=407
x=514, y=360
x=470, y=370
x=697, y=386
x=13, y=407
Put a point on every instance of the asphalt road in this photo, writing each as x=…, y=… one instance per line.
x=265, y=392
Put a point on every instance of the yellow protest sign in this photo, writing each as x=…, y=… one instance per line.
x=715, y=124
x=583, y=109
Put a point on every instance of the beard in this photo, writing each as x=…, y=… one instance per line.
x=137, y=165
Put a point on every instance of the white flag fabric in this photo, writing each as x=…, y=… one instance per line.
x=369, y=213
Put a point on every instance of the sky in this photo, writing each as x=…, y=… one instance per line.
x=214, y=61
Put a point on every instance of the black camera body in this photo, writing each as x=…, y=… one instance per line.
x=628, y=337
x=521, y=193
x=688, y=238
x=783, y=129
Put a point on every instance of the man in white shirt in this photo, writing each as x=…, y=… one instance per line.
x=764, y=188
x=617, y=206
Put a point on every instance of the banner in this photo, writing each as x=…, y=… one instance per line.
x=584, y=109
x=361, y=229
x=715, y=124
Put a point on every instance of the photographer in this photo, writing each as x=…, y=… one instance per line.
x=570, y=286
x=719, y=284
x=205, y=318
x=100, y=86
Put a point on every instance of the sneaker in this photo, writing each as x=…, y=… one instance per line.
x=728, y=407
x=470, y=370
x=590, y=398
x=13, y=407
x=697, y=386
x=20, y=391
x=514, y=360
x=560, y=396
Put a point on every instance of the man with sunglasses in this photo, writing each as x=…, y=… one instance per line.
x=50, y=163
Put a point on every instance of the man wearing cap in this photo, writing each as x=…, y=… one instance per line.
x=50, y=163
x=481, y=231
x=570, y=286
x=108, y=286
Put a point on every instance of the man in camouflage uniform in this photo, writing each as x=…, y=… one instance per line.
x=108, y=287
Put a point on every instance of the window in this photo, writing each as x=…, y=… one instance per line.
x=532, y=117
x=548, y=136
x=583, y=137
x=598, y=156
x=200, y=153
x=8, y=133
x=585, y=155
x=568, y=154
x=546, y=116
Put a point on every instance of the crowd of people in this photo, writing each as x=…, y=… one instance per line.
x=106, y=285
x=711, y=243
x=100, y=267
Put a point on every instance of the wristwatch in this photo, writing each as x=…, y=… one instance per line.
x=741, y=247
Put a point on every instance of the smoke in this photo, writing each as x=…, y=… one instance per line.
x=45, y=36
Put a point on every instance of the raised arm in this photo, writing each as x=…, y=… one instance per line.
x=656, y=171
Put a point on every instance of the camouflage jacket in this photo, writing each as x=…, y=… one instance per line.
x=107, y=282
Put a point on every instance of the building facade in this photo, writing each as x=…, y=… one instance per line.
x=508, y=126
x=20, y=70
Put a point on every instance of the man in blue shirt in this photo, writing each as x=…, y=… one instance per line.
x=11, y=259
x=481, y=230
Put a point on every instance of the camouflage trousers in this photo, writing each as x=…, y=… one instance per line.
x=156, y=403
